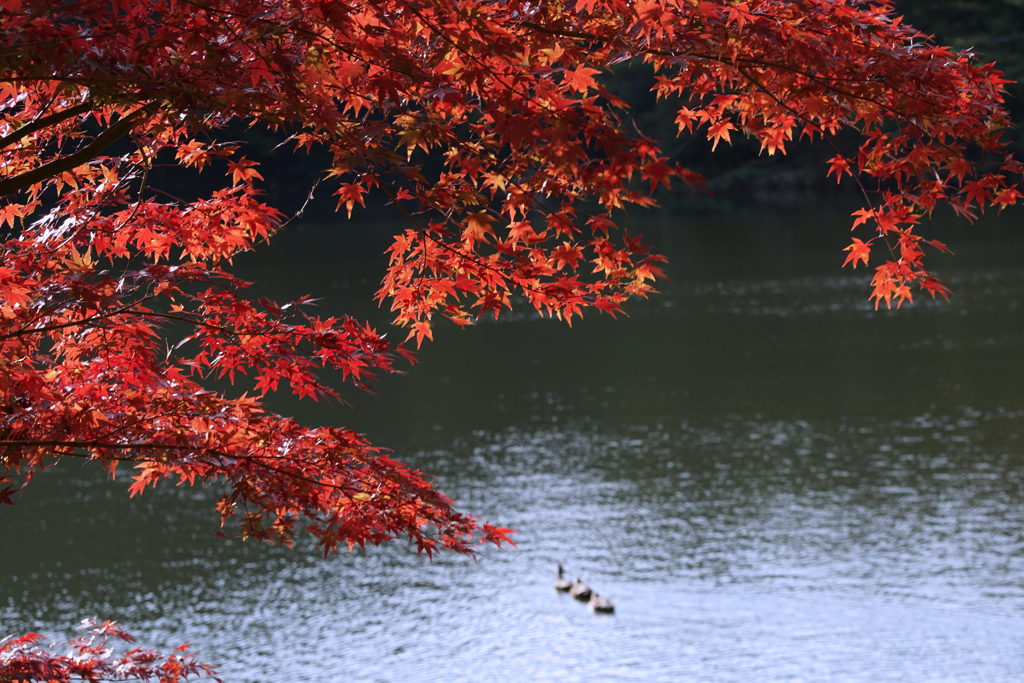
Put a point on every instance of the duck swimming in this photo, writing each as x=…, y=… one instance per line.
x=561, y=584
x=579, y=590
x=599, y=605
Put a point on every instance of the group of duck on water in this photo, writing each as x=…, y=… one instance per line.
x=583, y=593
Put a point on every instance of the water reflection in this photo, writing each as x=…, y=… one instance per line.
x=772, y=481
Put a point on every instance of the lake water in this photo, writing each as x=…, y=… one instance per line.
x=773, y=482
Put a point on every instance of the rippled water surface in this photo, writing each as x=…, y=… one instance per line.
x=771, y=480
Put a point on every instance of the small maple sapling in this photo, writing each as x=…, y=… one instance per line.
x=115, y=304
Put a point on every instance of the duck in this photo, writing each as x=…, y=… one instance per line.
x=562, y=585
x=579, y=590
x=599, y=605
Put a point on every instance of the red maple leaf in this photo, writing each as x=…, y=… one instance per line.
x=5, y=495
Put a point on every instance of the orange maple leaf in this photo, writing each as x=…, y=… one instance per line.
x=420, y=330
x=350, y=194
x=740, y=14
x=478, y=227
x=838, y=165
x=242, y=171
x=859, y=251
x=581, y=79
x=1006, y=197
x=720, y=131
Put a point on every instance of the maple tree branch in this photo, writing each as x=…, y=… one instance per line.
x=252, y=459
x=458, y=80
x=43, y=122
x=827, y=136
x=827, y=84
x=479, y=261
x=567, y=34
x=269, y=331
x=302, y=209
x=95, y=444
x=145, y=180
x=84, y=321
x=190, y=321
x=76, y=159
x=130, y=309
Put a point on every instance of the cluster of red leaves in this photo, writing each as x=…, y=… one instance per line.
x=114, y=303
x=484, y=122
x=930, y=119
x=84, y=377
x=91, y=658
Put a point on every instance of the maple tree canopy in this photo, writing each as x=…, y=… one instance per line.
x=529, y=156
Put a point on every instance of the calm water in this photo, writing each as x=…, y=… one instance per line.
x=772, y=481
